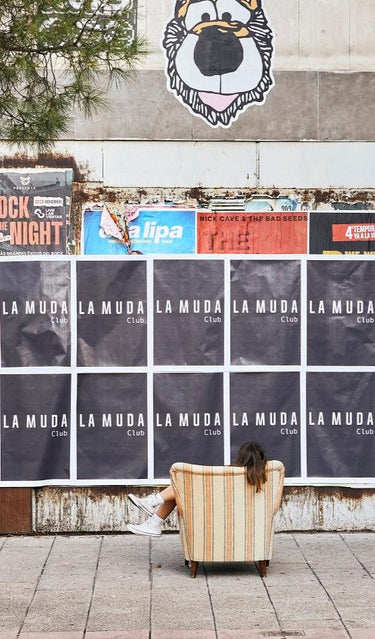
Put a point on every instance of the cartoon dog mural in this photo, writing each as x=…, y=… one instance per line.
x=219, y=57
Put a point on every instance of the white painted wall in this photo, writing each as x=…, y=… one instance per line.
x=232, y=165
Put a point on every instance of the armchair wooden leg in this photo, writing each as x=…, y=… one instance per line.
x=263, y=567
x=194, y=568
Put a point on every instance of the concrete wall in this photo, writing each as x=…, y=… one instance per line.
x=324, y=67
x=329, y=35
x=315, y=130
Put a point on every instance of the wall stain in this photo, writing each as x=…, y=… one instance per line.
x=43, y=161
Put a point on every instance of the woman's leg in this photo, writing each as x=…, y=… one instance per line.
x=165, y=504
x=169, y=500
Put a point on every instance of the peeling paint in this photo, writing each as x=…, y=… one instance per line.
x=107, y=509
x=199, y=197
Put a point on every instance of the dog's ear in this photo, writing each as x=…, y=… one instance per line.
x=252, y=4
x=181, y=9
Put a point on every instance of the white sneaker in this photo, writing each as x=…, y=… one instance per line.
x=149, y=528
x=147, y=504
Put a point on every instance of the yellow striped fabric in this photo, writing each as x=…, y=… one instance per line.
x=221, y=516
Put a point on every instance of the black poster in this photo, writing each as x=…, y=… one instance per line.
x=188, y=420
x=265, y=407
x=189, y=312
x=112, y=313
x=340, y=424
x=35, y=427
x=342, y=232
x=35, y=313
x=34, y=207
x=112, y=426
x=341, y=313
x=265, y=300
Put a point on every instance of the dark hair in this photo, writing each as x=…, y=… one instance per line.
x=252, y=456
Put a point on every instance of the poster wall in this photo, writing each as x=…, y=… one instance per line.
x=127, y=365
x=34, y=207
x=259, y=230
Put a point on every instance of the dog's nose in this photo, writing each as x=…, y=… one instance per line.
x=217, y=52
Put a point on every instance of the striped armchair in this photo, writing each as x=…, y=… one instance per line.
x=221, y=516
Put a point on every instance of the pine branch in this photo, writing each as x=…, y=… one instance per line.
x=36, y=102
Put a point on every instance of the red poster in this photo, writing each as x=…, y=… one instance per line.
x=353, y=232
x=248, y=232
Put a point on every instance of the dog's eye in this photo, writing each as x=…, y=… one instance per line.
x=197, y=12
x=233, y=11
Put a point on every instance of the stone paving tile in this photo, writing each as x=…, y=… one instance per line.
x=351, y=579
x=307, y=624
x=359, y=633
x=307, y=634
x=355, y=617
x=362, y=548
x=298, y=575
x=65, y=581
x=230, y=619
x=122, y=634
x=168, y=563
x=14, y=601
x=21, y=563
x=51, y=635
x=325, y=633
x=32, y=541
x=234, y=571
x=304, y=608
x=57, y=610
x=286, y=591
x=185, y=612
x=8, y=635
x=80, y=559
x=117, y=608
x=183, y=634
x=363, y=600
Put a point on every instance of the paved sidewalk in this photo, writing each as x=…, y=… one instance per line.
x=319, y=586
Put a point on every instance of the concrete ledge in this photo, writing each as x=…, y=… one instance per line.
x=107, y=509
x=303, y=105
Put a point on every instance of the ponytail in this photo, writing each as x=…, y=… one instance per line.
x=251, y=455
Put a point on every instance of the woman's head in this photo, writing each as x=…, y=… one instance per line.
x=252, y=456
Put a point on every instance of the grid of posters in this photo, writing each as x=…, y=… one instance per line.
x=112, y=369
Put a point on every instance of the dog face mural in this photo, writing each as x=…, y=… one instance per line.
x=219, y=57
